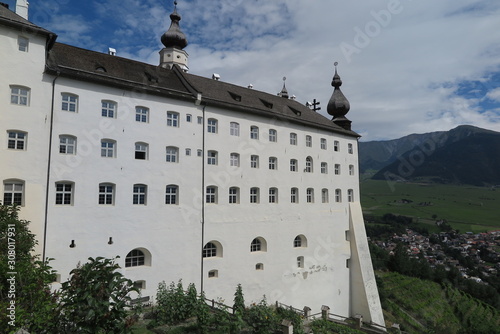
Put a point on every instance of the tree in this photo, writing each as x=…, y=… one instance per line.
x=94, y=299
x=25, y=297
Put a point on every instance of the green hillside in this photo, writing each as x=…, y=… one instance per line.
x=466, y=208
x=421, y=306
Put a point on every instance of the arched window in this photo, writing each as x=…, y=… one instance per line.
x=300, y=241
x=138, y=257
x=258, y=245
x=212, y=249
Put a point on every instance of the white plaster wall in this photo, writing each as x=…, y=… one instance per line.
x=30, y=165
x=171, y=233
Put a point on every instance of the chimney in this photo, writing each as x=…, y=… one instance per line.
x=111, y=52
x=22, y=8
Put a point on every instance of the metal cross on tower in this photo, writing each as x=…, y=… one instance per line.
x=314, y=104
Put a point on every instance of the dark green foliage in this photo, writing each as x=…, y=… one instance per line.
x=95, y=299
x=320, y=326
x=239, y=301
x=262, y=318
x=173, y=305
x=35, y=305
x=293, y=316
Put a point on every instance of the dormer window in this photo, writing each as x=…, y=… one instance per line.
x=235, y=97
x=267, y=104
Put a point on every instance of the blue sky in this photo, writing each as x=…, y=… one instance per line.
x=407, y=66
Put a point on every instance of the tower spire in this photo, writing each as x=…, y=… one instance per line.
x=174, y=41
x=284, y=92
x=338, y=106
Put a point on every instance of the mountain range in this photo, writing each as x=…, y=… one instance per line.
x=463, y=155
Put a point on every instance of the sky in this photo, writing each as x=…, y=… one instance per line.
x=407, y=66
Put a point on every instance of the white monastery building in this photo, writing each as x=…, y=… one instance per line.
x=183, y=177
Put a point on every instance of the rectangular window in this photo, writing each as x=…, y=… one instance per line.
x=172, y=154
x=273, y=136
x=69, y=102
x=310, y=195
x=142, y=114
x=139, y=195
x=233, y=195
x=308, y=141
x=172, y=119
x=22, y=43
x=293, y=139
x=336, y=146
x=188, y=118
x=64, y=193
x=106, y=194
x=337, y=169
x=108, y=148
x=273, y=195
x=324, y=196
x=324, y=168
x=212, y=158
x=254, y=161
x=141, y=151
x=108, y=109
x=211, y=195
x=349, y=148
x=234, y=129
x=254, y=132
x=171, y=194
x=13, y=193
x=234, y=160
x=294, y=195
x=19, y=95
x=16, y=140
x=188, y=151
x=323, y=143
x=254, y=195
x=338, y=195
x=200, y=120
x=212, y=125
x=293, y=165
x=67, y=145
x=273, y=163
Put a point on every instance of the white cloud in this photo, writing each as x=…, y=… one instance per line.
x=403, y=74
x=494, y=94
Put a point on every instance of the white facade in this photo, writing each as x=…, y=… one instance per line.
x=281, y=228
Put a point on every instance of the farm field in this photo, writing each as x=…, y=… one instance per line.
x=466, y=208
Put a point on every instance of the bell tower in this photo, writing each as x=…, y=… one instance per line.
x=174, y=41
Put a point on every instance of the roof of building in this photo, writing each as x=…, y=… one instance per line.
x=82, y=64
x=9, y=18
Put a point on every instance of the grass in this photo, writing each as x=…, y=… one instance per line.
x=466, y=208
x=426, y=307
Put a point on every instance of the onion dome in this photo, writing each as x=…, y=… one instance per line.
x=174, y=37
x=338, y=106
